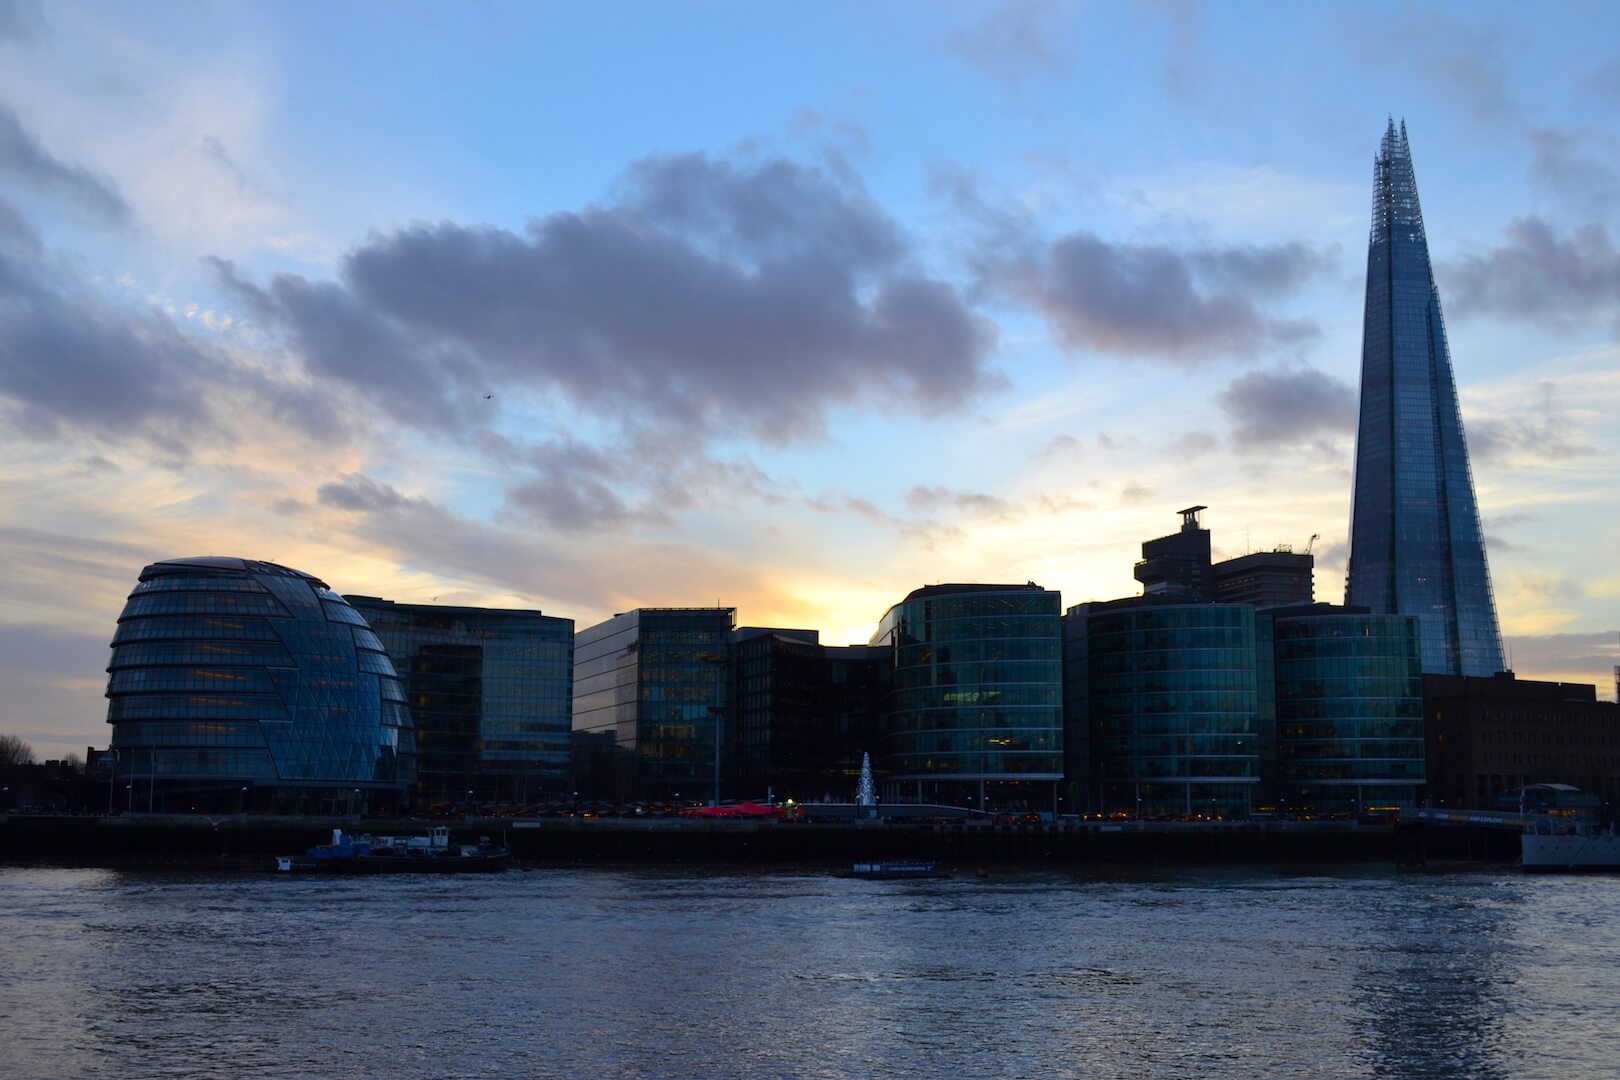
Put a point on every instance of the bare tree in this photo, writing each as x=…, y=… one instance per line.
x=13, y=751
x=73, y=761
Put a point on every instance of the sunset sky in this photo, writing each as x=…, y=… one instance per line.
x=793, y=307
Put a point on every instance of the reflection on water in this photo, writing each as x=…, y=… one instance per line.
x=636, y=972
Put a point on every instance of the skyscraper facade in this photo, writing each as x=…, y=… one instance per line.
x=1415, y=541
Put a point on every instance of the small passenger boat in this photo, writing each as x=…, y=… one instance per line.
x=430, y=854
x=881, y=871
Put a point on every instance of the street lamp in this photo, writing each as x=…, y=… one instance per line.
x=129, y=800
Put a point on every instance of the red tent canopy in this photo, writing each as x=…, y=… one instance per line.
x=747, y=809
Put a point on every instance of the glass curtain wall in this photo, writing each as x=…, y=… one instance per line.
x=1349, y=713
x=491, y=693
x=974, y=715
x=1174, y=707
x=237, y=685
x=656, y=679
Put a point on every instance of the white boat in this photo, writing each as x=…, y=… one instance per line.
x=1578, y=848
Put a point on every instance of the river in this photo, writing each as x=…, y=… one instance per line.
x=709, y=972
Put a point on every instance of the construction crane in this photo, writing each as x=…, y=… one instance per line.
x=1310, y=542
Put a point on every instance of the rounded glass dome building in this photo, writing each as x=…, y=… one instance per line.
x=241, y=685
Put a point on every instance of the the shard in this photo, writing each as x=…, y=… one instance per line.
x=1415, y=541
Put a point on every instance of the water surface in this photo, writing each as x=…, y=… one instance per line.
x=704, y=972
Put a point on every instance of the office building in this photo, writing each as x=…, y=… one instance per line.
x=242, y=685
x=1415, y=541
x=974, y=715
x=1177, y=567
x=1265, y=579
x=656, y=680
x=805, y=713
x=1171, y=699
x=491, y=696
x=1349, y=709
x=1487, y=738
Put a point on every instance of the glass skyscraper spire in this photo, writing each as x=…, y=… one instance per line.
x=1415, y=542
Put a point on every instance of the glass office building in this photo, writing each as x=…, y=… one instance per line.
x=1173, y=703
x=974, y=715
x=491, y=696
x=1415, y=541
x=243, y=685
x=650, y=696
x=1349, y=705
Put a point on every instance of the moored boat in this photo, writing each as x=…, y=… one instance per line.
x=889, y=870
x=1573, y=848
x=430, y=854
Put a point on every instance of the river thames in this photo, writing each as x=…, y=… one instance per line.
x=639, y=972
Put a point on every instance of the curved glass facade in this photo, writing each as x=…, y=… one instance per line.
x=975, y=712
x=1174, y=707
x=238, y=685
x=1349, y=711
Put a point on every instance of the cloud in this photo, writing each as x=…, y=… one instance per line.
x=1194, y=444
x=360, y=494
x=1182, y=72
x=30, y=164
x=1134, y=494
x=1538, y=431
x=1587, y=656
x=1563, y=162
x=1014, y=40
x=22, y=21
x=1148, y=300
x=71, y=361
x=1540, y=276
x=1464, y=60
x=1269, y=408
x=978, y=504
x=1065, y=447
x=711, y=296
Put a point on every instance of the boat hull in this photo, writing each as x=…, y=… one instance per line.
x=492, y=863
x=1544, y=853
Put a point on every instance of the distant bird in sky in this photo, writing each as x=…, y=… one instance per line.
x=488, y=396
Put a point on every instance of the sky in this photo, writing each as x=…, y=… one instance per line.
x=788, y=307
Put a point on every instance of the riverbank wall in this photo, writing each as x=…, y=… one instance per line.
x=185, y=838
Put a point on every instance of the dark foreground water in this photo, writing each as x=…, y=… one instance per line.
x=644, y=972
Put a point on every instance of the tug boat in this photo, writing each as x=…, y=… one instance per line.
x=430, y=854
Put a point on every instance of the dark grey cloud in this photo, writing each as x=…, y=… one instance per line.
x=1577, y=167
x=1152, y=300
x=711, y=296
x=70, y=361
x=1539, y=430
x=1269, y=408
x=1261, y=270
x=1148, y=300
x=360, y=494
x=22, y=21
x=32, y=166
x=1015, y=40
x=1540, y=274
